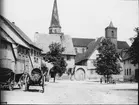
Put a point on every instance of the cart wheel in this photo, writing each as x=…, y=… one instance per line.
x=26, y=84
x=26, y=87
x=11, y=85
x=21, y=82
x=43, y=84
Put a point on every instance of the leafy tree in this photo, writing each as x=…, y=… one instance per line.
x=107, y=61
x=134, y=49
x=56, y=58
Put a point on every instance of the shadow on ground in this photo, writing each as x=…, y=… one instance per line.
x=125, y=89
x=34, y=90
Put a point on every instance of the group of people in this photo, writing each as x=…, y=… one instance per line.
x=106, y=80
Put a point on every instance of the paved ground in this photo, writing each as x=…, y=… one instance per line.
x=74, y=92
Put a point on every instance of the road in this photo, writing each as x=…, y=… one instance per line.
x=75, y=92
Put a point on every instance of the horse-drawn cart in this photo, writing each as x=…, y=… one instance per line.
x=36, y=78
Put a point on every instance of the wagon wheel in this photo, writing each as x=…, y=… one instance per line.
x=43, y=84
x=11, y=84
x=27, y=83
x=21, y=81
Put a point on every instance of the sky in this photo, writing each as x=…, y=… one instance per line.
x=78, y=18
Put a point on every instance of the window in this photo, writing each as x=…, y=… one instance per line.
x=112, y=33
x=34, y=53
x=76, y=50
x=127, y=71
x=83, y=50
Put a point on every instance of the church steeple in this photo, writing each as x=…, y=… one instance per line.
x=55, y=27
x=111, y=33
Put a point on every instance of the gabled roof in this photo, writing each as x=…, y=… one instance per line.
x=81, y=42
x=4, y=36
x=20, y=32
x=92, y=46
x=4, y=39
x=44, y=40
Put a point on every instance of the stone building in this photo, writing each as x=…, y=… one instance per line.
x=130, y=70
x=87, y=58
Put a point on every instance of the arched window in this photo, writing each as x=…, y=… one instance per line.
x=112, y=32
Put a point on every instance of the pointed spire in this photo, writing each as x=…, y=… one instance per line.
x=55, y=18
x=55, y=23
x=111, y=24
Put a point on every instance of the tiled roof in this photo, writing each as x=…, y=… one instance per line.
x=20, y=32
x=91, y=48
x=44, y=40
x=81, y=42
x=5, y=37
x=122, y=45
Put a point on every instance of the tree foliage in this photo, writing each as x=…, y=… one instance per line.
x=56, y=58
x=107, y=61
x=134, y=49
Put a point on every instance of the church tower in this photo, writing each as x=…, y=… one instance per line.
x=111, y=33
x=55, y=27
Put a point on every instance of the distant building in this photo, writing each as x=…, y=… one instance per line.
x=130, y=70
x=80, y=44
x=18, y=52
x=87, y=58
x=55, y=35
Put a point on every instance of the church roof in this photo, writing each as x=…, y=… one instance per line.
x=122, y=45
x=44, y=40
x=81, y=42
x=110, y=25
x=20, y=32
x=92, y=46
x=55, y=17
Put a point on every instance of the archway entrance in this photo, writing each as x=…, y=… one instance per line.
x=80, y=74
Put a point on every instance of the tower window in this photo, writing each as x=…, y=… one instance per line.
x=112, y=33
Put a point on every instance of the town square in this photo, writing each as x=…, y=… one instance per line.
x=69, y=52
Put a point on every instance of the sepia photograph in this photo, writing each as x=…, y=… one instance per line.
x=69, y=51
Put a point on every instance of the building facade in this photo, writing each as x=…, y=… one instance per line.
x=18, y=54
x=88, y=58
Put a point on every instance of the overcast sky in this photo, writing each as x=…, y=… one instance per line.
x=78, y=18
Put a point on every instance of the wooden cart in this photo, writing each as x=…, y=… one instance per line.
x=36, y=78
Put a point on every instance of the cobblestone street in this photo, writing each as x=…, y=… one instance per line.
x=75, y=92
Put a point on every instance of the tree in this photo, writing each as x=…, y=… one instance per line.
x=134, y=49
x=107, y=61
x=56, y=58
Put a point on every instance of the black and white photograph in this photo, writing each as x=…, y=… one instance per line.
x=69, y=51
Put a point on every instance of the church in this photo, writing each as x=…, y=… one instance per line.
x=56, y=35
x=79, y=53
